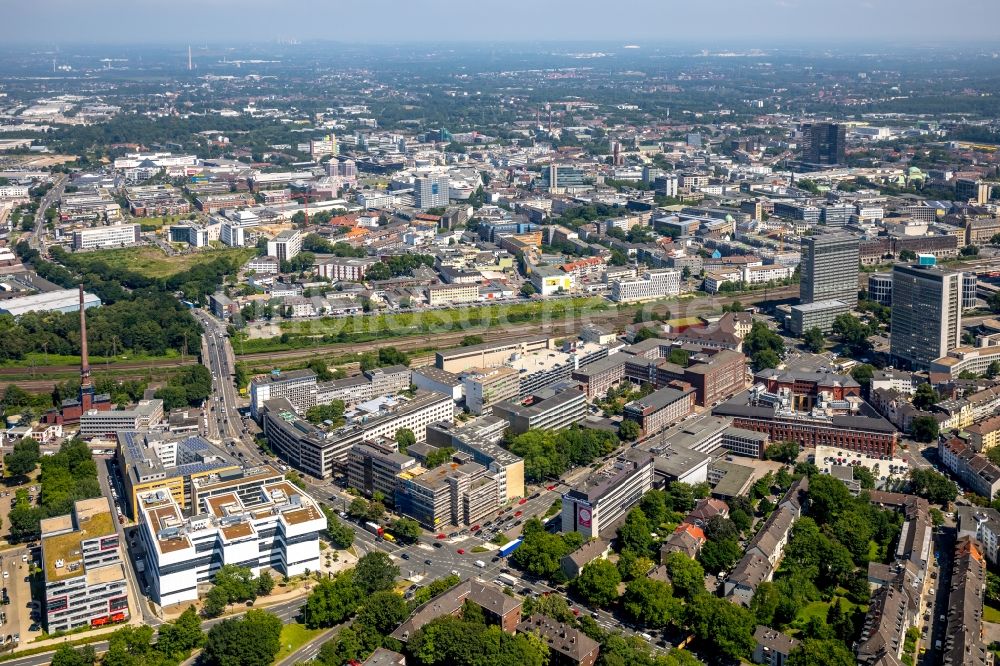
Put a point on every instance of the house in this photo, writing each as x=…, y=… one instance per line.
x=705, y=510
x=497, y=607
x=686, y=538
x=772, y=647
x=567, y=646
x=594, y=549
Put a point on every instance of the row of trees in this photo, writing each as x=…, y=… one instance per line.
x=189, y=387
x=134, y=646
x=66, y=477
x=233, y=585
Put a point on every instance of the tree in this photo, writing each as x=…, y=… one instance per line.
x=528, y=289
x=853, y=333
x=863, y=373
x=178, y=638
x=24, y=458
x=865, y=477
x=375, y=572
x=728, y=628
x=265, y=584
x=332, y=601
x=764, y=359
x=719, y=555
x=634, y=534
x=382, y=612
x=238, y=583
x=405, y=439
x=814, y=340
x=341, y=535
x=654, y=505
x=687, y=576
x=828, y=497
x=406, y=530
x=651, y=602
x=129, y=646
x=215, y=602
x=597, y=584
x=817, y=652
x=541, y=551
x=252, y=640
x=66, y=655
x=924, y=428
x=332, y=412
x=471, y=340
x=321, y=369
x=935, y=487
x=785, y=452
x=925, y=397
x=629, y=431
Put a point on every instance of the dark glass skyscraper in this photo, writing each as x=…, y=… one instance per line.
x=824, y=143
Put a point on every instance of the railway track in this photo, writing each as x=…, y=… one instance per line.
x=612, y=318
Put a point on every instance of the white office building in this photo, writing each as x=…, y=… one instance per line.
x=285, y=245
x=652, y=285
x=116, y=235
x=277, y=528
x=430, y=191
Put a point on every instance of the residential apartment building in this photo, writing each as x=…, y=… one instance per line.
x=973, y=469
x=277, y=528
x=297, y=386
x=347, y=269
x=84, y=578
x=431, y=191
x=964, y=643
x=115, y=235
x=596, y=503
x=926, y=313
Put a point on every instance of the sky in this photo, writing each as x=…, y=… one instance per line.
x=709, y=22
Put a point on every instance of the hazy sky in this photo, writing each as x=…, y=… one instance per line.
x=760, y=22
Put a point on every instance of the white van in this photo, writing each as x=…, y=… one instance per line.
x=480, y=564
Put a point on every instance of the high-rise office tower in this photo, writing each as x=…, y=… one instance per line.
x=829, y=268
x=926, y=313
x=824, y=143
x=430, y=191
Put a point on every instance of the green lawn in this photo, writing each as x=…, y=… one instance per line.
x=294, y=636
x=154, y=262
x=377, y=326
x=38, y=359
x=991, y=614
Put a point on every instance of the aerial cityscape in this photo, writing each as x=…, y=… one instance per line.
x=464, y=342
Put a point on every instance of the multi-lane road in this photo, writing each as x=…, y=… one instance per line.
x=51, y=197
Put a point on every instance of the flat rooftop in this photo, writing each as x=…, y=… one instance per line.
x=63, y=553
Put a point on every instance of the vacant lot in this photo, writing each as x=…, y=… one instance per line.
x=154, y=262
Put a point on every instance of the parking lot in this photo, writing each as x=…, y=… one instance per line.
x=883, y=468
